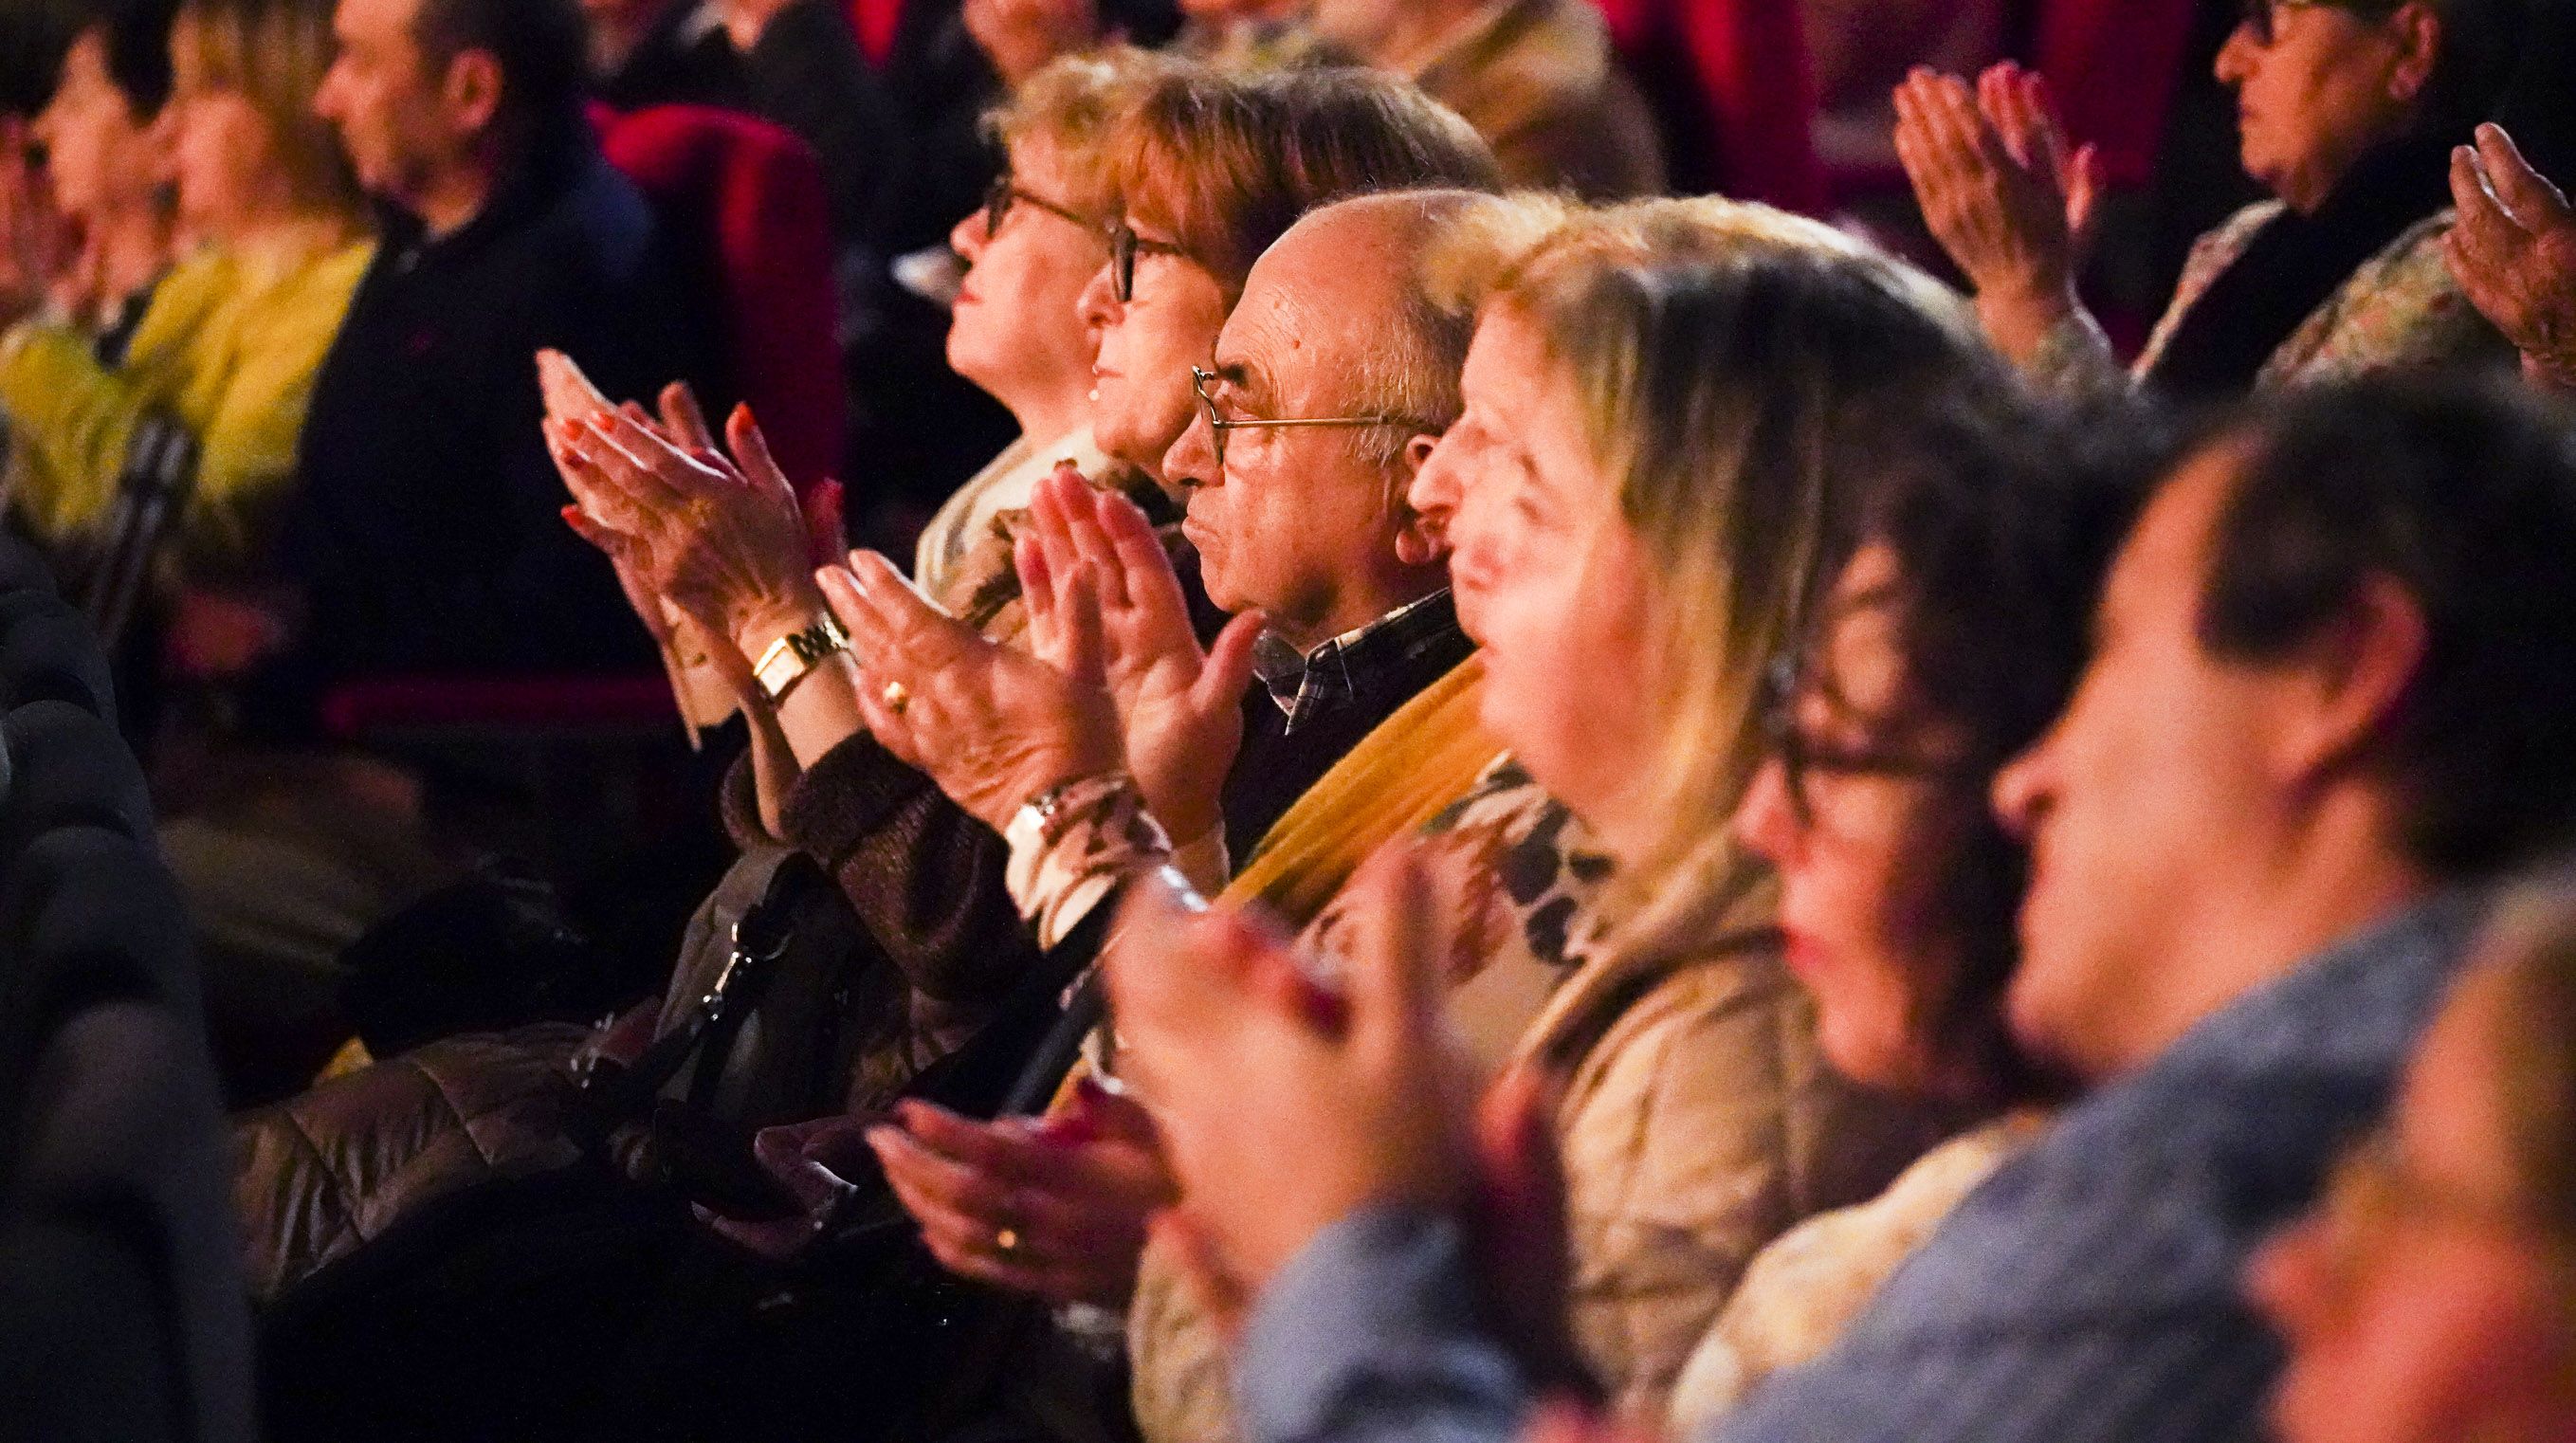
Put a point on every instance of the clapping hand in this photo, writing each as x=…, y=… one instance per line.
x=2003, y=193
x=1286, y=1107
x=723, y=539
x=2514, y=253
x=1056, y=1208
x=992, y=725
x=1180, y=708
x=1021, y=36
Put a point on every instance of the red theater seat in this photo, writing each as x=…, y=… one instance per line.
x=747, y=198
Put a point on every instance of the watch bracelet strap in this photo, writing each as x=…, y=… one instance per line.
x=793, y=657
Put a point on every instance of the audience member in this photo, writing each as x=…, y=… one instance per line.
x=2513, y=253
x=1535, y=77
x=2426, y=1297
x=2237, y=926
x=2347, y=110
x=108, y=171
x=924, y=877
x=792, y=62
x=1020, y=276
x=428, y=537
x=1951, y=641
x=223, y=359
x=1670, y=1033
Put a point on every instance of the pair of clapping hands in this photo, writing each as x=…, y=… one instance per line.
x=1113, y=677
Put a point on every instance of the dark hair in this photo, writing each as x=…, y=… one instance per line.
x=136, y=36
x=2002, y=524
x=542, y=47
x=1229, y=162
x=33, y=36
x=2483, y=46
x=2482, y=50
x=2463, y=493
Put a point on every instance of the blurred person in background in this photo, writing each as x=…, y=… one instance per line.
x=2431, y=1293
x=2348, y=110
x=428, y=537
x=108, y=168
x=1535, y=77
x=223, y=359
x=794, y=63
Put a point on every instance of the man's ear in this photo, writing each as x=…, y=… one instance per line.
x=2417, y=27
x=473, y=91
x=2358, y=672
x=1417, y=542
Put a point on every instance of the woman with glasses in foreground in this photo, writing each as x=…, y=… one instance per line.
x=1947, y=646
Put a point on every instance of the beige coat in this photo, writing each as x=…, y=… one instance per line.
x=1698, y=1123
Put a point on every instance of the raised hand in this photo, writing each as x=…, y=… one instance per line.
x=724, y=542
x=2514, y=253
x=2009, y=222
x=992, y=725
x=1281, y=1116
x=1180, y=707
x=1021, y=36
x=2017, y=103
x=1057, y=1208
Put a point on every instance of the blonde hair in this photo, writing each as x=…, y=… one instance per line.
x=1070, y=107
x=2533, y=1043
x=1745, y=376
x=1225, y=163
x=273, y=53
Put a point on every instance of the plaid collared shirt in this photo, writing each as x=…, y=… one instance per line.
x=1354, y=664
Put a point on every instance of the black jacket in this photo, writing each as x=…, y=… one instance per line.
x=429, y=533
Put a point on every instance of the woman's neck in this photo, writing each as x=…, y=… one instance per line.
x=274, y=244
x=128, y=249
x=1047, y=413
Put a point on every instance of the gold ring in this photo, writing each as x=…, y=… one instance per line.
x=897, y=696
x=1007, y=1241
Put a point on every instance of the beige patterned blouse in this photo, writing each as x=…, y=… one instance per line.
x=2400, y=311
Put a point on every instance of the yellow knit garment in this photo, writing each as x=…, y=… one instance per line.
x=1415, y=764
x=228, y=356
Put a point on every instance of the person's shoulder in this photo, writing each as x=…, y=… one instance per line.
x=2231, y=236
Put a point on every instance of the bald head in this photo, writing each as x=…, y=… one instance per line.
x=1335, y=325
x=1348, y=281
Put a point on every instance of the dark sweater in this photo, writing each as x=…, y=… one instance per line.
x=429, y=532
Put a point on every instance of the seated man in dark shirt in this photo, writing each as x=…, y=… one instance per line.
x=429, y=535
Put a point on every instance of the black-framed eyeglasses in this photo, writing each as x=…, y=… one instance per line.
x=1219, y=424
x=1006, y=193
x=1124, y=246
x=1803, y=757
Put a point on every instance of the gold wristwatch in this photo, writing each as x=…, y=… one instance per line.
x=793, y=657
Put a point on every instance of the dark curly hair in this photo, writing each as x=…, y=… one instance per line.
x=2001, y=530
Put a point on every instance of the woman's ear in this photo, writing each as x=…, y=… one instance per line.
x=2417, y=30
